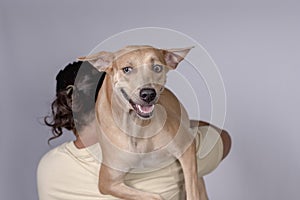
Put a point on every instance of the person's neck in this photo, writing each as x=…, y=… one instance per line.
x=87, y=136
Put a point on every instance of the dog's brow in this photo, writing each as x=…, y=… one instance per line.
x=155, y=60
x=129, y=63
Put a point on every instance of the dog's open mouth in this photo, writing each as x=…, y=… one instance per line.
x=144, y=111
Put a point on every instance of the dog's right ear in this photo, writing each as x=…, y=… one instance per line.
x=101, y=60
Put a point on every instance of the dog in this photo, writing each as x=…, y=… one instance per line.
x=141, y=123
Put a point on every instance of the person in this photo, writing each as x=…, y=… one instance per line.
x=71, y=171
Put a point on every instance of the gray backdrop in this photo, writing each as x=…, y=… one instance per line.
x=255, y=44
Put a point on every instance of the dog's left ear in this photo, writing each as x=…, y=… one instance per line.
x=101, y=60
x=174, y=56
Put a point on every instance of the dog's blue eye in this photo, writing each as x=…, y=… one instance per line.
x=127, y=70
x=157, y=68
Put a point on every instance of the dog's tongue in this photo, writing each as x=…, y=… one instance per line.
x=145, y=109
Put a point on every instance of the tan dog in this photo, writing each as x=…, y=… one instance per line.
x=142, y=125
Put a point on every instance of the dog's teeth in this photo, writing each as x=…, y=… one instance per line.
x=145, y=109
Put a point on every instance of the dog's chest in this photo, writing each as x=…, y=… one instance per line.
x=138, y=145
x=150, y=144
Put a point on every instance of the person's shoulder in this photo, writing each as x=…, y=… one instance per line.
x=54, y=154
x=53, y=159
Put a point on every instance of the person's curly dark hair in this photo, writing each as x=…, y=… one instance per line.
x=77, y=86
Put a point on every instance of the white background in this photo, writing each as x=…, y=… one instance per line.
x=255, y=44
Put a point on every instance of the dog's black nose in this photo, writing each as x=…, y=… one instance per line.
x=147, y=94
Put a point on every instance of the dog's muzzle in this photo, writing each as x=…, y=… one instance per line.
x=146, y=107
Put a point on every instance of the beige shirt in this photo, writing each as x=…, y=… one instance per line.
x=69, y=173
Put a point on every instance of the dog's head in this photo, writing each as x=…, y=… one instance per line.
x=138, y=74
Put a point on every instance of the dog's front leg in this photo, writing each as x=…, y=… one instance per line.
x=202, y=189
x=111, y=182
x=189, y=167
